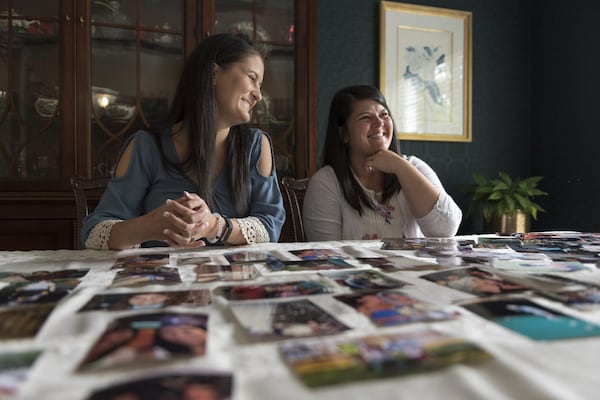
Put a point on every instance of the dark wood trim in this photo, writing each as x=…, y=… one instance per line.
x=190, y=24
x=306, y=78
x=37, y=220
x=20, y=234
x=83, y=79
x=37, y=205
x=67, y=64
x=206, y=19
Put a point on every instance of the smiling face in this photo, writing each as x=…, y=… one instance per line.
x=237, y=88
x=369, y=128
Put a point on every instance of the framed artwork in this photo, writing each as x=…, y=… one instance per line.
x=425, y=70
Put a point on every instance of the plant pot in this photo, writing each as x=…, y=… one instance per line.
x=506, y=224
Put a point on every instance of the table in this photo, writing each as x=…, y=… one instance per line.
x=520, y=369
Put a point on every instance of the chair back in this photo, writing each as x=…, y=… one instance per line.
x=293, y=191
x=87, y=194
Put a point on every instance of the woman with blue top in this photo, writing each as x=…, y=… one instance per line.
x=209, y=176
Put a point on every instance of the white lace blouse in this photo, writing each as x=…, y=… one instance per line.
x=327, y=215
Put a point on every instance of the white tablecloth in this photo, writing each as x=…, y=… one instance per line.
x=521, y=368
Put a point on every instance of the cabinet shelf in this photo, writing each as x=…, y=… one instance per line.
x=36, y=38
x=121, y=46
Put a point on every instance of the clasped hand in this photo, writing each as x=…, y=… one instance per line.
x=187, y=219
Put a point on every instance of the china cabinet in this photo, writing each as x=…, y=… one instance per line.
x=77, y=77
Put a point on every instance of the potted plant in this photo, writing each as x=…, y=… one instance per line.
x=508, y=204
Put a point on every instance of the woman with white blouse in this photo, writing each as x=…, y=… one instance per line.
x=366, y=189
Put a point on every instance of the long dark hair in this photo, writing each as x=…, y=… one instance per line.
x=336, y=151
x=195, y=106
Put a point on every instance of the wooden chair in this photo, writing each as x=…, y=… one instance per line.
x=87, y=194
x=293, y=197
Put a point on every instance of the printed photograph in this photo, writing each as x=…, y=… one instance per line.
x=395, y=264
x=247, y=256
x=393, y=307
x=487, y=258
x=148, y=338
x=14, y=369
x=39, y=287
x=540, y=266
x=583, y=296
x=475, y=281
x=193, y=260
x=406, y=243
x=143, y=276
x=344, y=360
x=274, y=290
x=233, y=272
x=317, y=254
x=270, y=320
x=192, y=386
x=147, y=300
x=496, y=242
x=533, y=320
x=365, y=280
x=24, y=321
x=308, y=265
x=65, y=275
x=142, y=260
x=40, y=292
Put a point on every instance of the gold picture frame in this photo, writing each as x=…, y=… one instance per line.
x=425, y=70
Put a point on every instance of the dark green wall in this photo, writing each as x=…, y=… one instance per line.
x=533, y=64
x=566, y=108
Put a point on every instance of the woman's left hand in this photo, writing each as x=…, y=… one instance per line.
x=385, y=161
x=191, y=220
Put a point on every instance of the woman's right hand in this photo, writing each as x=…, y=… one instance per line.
x=189, y=219
x=178, y=222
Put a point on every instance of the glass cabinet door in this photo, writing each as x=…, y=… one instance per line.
x=78, y=77
x=271, y=25
x=137, y=52
x=30, y=91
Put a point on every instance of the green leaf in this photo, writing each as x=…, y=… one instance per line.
x=504, y=176
x=534, y=213
x=487, y=211
x=495, y=196
x=532, y=181
x=538, y=192
x=524, y=202
x=511, y=203
x=481, y=181
x=500, y=186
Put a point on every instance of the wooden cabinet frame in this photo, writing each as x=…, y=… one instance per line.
x=40, y=213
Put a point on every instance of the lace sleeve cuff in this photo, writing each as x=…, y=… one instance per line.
x=100, y=234
x=253, y=230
